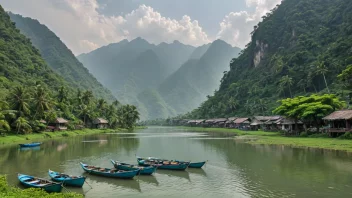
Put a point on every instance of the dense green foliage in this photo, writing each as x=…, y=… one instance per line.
x=7, y=191
x=59, y=57
x=309, y=109
x=30, y=91
x=162, y=80
x=298, y=49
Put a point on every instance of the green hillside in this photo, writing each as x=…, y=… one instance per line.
x=20, y=62
x=59, y=57
x=299, y=48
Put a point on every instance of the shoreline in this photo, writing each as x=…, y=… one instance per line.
x=19, y=139
x=275, y=138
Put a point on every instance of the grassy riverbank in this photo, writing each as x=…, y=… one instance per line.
x=17, y=139
x=7, y=191
x=275, y=138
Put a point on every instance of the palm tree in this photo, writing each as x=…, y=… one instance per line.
x=87, y=97
x=85, y=112
x=232, y=103
x=116, y=103
x=286, y=81
x=128, y=115
x=19, y=99
x=22, y=125
x=322, y=70
x=42, y=101
x=101, y=106
x=62, y=95
x=4, y=125
x=302, y=84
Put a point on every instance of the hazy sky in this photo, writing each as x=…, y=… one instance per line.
x=85, y=25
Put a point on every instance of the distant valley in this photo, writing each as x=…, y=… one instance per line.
x=162, y=80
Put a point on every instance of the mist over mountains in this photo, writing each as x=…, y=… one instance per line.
x=162, y=80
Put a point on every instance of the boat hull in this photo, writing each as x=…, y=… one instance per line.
x=34, y=144
x=106, y=173
x=182, y=166
x=196, y=165
x=53, y=187
x=67, y=181
x=145, y=170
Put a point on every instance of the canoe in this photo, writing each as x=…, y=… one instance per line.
x=107, y=172
x=144, y=170
x=34, y=182
x=33, y=144
x=168, y=165
x=68, y=180
x=194, y=164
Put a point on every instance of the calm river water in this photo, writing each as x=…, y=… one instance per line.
x=234, y=169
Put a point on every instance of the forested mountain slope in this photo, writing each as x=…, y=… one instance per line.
x=197, y=78
x=20, y=62
x=59, y=57
x=299, y=48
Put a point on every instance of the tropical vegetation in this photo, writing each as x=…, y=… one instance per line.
x=298, y=49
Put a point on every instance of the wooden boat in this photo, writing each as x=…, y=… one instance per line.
x=76, y=181
x=34, y=182
x=107, y=172
x=33, y=144
x=162, y=164
x=194, y=164
x=144, y=170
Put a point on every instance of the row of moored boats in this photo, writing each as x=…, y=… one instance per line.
x=145, y=166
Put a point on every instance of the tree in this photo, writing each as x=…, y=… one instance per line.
x=22, y=125
x=4, y=125
x=232, y=103
x=62, y=95
x=101, y=106
x=42, y=101
x=128, y=116
x=87, y=97
x=85, y=113
x=286, y=81
x=322, y=70
x=346, y=77
x=19, y=99
x=309, y=108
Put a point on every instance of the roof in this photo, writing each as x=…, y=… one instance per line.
x=232, y=118
x=42, y=121
x=216, y=120
x=266, y=118
x=60, y=121
x=339, y=115
x=100, y=121
x=287, y=121
x=240, y=120
x=256, y=122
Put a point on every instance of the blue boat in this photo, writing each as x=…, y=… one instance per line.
x=144, y=170
x=68, y=180
x=33, y=144
x=34, y=182
x=194, y=164
x=107, y=172
x=162, y=164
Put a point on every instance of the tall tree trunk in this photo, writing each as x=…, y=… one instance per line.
x=326, y=84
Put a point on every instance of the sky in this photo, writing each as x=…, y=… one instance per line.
x=85, y=25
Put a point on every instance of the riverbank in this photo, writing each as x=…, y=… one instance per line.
x=276, y=138
x=9, y=191
x=18, y=139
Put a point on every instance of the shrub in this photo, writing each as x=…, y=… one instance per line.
x=303, y=134
x=9, y=192
x=319, y=135
x=65, y=135
x=346, y=136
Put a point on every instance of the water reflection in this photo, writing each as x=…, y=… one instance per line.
x=198, y=171
x=151, y=179
x=132, y=184
x=173, y=173
x=37, y=148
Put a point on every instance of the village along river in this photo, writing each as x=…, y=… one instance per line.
x=234, y=169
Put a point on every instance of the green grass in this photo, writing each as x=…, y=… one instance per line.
x=17, y=139
x=7, y=191
x=275, y=138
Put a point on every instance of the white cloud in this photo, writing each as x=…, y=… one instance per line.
x=237, y=26
x=83, y=28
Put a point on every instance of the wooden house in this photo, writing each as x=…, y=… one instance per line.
x=219, y=122
x=100, y=123
x=59, y=124
x=266, y=123
x=339, y=122
x=230, y=122
x=242, y=123
x=289, y=125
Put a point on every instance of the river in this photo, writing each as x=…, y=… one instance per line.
x=234, y=169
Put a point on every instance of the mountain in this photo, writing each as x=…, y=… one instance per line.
x=162, y=80
x=188, y=86
x=298, y=49
x=20, y=62
x=59, y=57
